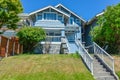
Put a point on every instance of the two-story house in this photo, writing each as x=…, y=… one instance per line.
x=61, y=25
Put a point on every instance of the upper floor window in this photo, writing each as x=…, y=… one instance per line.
x=39, y=17
x=50, y=16
x=77, y=21
x=71, y=21
x=60, y=18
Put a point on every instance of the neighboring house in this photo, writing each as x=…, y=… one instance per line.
x=88, y=26
x=58, y=22
x=9, y=33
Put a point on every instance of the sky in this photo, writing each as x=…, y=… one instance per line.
x=86, y=9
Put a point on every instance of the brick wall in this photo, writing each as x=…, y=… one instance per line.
x=9, y=46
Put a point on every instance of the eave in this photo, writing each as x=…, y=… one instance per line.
x=48, y=8
x=70, y=12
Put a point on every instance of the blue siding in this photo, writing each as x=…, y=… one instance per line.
x=73, y=47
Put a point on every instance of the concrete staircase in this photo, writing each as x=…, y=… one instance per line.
x=100, y=71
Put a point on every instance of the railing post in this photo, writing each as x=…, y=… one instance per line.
x=113, y=65
x=94, y=48
x=102, y=56
x=92, y=67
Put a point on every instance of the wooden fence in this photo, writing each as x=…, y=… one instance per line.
x=9, y=46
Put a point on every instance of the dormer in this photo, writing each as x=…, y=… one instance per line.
x=49, y=13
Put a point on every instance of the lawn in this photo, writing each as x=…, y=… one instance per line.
x=44, y=67
x=117, y=64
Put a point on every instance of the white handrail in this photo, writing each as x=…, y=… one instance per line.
x=103, y=51
x=83, y=48
x=85, y=56
x=104, y=56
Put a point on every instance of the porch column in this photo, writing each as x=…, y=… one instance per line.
x=36, y=16
x=63, y=33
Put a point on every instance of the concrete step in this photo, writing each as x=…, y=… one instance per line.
x=98, y=74
x=97, y=66
x=100, y=71
x=105, y=78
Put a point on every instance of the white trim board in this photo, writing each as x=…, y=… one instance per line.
x=51, y=42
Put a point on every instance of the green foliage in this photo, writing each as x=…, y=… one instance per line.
x=109, y=29
x=75, y=55
x=9, y=10
x=30, y=36
x=118, y=73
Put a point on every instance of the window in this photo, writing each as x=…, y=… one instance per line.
x=77, y=21
x=71, y=20
x=60, y=18
x=49, y=16
x=39, y=17
x=51, y=33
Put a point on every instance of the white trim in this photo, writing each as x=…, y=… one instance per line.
x=51, y=42
x=54, y=28
x=69, y=11
x=47, y=8
x=100, y=14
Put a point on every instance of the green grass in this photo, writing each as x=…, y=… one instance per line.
x=118, y=73
x=44, y=67
x=117, y=64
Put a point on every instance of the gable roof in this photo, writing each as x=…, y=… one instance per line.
x=69, y=11
x=47, y=8
x=94, y=19
x=100, y=14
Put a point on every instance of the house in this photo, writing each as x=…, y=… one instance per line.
x=63, y=27
x=88, y=27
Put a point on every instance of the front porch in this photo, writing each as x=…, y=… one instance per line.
x=56, y=35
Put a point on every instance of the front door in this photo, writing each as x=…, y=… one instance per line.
x=70, y=37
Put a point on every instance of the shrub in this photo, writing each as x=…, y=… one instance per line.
x=30, y=36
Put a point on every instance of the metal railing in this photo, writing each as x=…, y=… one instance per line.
x=85, y=56
x=104, y=56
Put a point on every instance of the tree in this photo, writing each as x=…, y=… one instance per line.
x=30, y=36
x=9, y=10
x=109, y=29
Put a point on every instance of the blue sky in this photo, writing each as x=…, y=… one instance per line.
x=84, y=8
